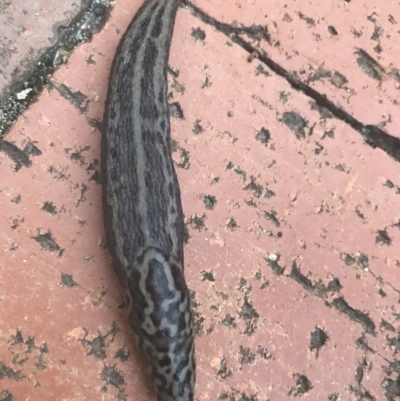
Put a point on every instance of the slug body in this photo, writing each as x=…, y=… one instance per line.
x=141, y=201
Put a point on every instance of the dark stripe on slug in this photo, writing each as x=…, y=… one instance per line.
x=171, y=190
x=152, y=9
x=161, y=95
x=148, y=108
x=158, y=24
x=137, y=313
x=162, y=125
x=127, y=250
x=168, y=166
x=130, y=55
x=188, y=377
x=156, y=182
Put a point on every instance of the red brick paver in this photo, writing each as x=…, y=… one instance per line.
x=28, y=28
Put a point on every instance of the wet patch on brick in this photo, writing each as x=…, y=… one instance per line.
x=386, y=326
x=224, y=372
x=296, y=123
x=249, y=315
x=82, y=198
x=303, y=386
x=361, y=393
x=309, y=21
x=322, y=111
x=197, y=128
x=196, y=222
x=323, y=291
x=390, y=185
x=111, y=376
x=177, y=86
x=198, y=319
x=232, y=225
x=338, y=80
x=318, y=289
x=16, y=222
x=238, y=170
x=77, y=156
x=229, y=321
x=123, y=354
x=362, y=343
x=272, y=261
x=245, y=286
x=49, y=208
x=253, y=186
x=9, y=373
x=269, y=193
x=359, y=260
x=360, y=371
x=320, y=73
x=383, y=238
x=246, y=356
x=48, y=242
x=19, y=157
x=263, y=136
x=318, y=339
x=182, y=157
x=261, y=278
x=24, y=352
x=208, y=276
x=68, y=281
x=332, y=30
x=209, y=201
x=260, y=70
x=6, y=396
x=391, y=388
x=369, y=65
x=97, y=346
x=77, y=98
x=271, y=216
x=356, y=315
x=175, y=111
x=198, y=34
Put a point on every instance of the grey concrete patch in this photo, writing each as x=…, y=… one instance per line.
x=39, y=37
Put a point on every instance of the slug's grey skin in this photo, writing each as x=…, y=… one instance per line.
x=141, y=200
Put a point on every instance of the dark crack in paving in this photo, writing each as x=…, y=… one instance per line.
x=25, y=89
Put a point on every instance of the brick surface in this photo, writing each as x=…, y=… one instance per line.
x=294, y=223
x=29, y=28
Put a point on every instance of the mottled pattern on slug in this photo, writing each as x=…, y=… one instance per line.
x=141, y=200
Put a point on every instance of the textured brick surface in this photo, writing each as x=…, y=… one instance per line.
x=294, y=223
x=28, y=28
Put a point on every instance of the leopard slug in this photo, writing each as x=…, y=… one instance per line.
x=141, y=200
